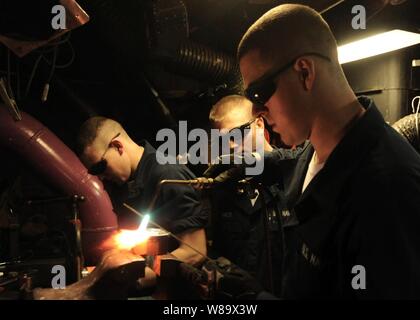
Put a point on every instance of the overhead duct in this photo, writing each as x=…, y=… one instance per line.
x=44, y=151
x=162, y=27
x=169, y=43
x=201, y=61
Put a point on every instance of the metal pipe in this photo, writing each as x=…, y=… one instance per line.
x=47, y=154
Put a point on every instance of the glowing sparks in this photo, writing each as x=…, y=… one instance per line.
x=127, y=239
x=144, y=223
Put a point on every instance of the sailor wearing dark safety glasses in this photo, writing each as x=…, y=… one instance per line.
x=99, y=168
x=353, y=200
x=243, y=229
x=107, y=151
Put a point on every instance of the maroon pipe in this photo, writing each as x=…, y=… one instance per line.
x=61, y=167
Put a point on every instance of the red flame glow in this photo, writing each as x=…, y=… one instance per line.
x=127, y=239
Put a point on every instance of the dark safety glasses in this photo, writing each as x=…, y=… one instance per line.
x=261, y=90
x=243, y=127
x=100, y=166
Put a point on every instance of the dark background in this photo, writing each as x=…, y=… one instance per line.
x=133, y=51
x=126, y=42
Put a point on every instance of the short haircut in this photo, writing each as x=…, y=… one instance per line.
x=219, y=111
x=97, y=130
x=287, y=31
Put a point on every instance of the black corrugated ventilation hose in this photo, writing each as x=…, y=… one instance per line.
x=408, y=128
x=201, y=61
x=170, y=44
x=182, y=55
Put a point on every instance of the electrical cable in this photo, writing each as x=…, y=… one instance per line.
x=18, y=80
x=65, y=65
x=9, y=83
x=54, y=47
x=53, y=66
x=46, y=90
x=31, y=77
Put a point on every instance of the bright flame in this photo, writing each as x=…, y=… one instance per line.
x=127, y=239
x=144, y=223
x=377, y=44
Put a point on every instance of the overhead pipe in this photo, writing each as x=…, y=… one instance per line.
x=47, y=154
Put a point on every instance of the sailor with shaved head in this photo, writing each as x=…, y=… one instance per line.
x=351, y=225
x=132, y=168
